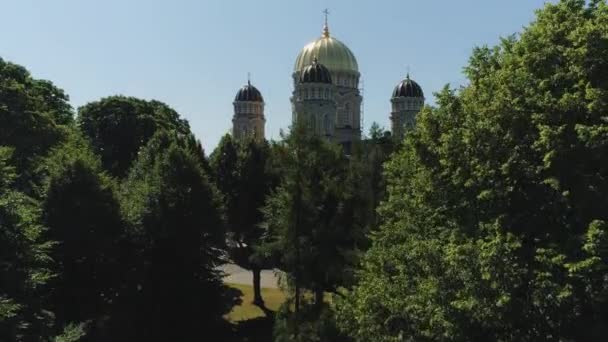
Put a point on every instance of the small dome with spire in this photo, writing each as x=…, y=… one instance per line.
x=408, y=88
x=315, y=73
x=249, y=93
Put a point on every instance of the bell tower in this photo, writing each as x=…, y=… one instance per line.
x=248, y=119
x=406, y=102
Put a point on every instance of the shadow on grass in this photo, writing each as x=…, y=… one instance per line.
x=257, y=329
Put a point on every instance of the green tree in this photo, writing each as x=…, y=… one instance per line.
x=224, y=162
x=243, y=175
x=174, y=291
x=255, y=184
x=366, y=174
x=309, y=220
x=24, y=256
x=33, y=118
x=119, y=126
x=495, y=222
x=83, y=215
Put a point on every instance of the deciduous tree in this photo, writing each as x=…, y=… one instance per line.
x=34, y=115
x=83, y=215
x=24, y=256
x=495, y=223
x=174, y=291
x=119, y=126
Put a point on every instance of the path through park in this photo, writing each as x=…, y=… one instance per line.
x=239, y=275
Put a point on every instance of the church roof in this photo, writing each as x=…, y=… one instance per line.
x=315, y=73
x=249, y=93
x=408, y=88
x=332, y=53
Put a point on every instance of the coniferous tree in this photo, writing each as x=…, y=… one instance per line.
x=366, y=177
x=309, y=222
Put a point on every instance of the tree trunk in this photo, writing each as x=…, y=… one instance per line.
x=298, y=205
x=296, y=327
x=257, y=291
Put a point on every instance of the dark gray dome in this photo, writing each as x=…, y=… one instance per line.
x=249, y=93
x=408, y=88
x=315, y=73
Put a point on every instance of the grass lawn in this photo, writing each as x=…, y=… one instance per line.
x=273, y=298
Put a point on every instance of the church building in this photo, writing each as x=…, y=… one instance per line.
x=326, y=96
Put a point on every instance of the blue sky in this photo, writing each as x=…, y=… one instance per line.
x=194, y=55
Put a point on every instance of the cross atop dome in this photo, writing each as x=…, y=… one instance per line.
x=326, y=27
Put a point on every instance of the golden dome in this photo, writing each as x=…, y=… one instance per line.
x=330, y=52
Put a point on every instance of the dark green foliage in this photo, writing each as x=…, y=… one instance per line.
x=366, y=175
x=313, y=230
x=145, y=270
x=173, y=291
x=224, y=163
x=315, y=325
x=24, y=261
x=242, y=173
x=83, y=215
x=119, y=126
x=32, y=118
x=495, y=223
x=254, y=184
x=308, y=218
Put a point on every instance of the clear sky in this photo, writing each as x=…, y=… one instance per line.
x=195, y=54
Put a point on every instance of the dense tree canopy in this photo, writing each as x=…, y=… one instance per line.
x=24, y=261
x=119, y=126
x=83, y=215
x=307, y=220
x=243, y=174
x=174, y=290
x=33, y=115
x=311, y=227
x=224, y=162
x=495, y=224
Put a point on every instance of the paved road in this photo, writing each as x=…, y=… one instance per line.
x=238, y=275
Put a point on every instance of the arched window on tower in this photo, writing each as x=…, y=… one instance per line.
x=327, y=124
